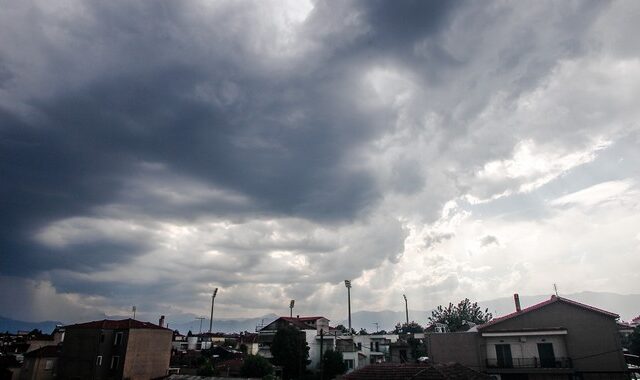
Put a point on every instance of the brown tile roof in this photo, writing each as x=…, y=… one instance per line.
x=123, y=324
x=415, y=371
x=540, y=305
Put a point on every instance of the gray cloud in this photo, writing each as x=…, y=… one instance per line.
x=250, y=143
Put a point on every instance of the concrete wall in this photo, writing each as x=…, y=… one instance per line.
x=461, y=347
x=148, y=354
x=35, y=369
x=527, y=348
x=592, y=342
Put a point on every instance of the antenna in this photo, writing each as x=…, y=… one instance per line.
x=555, y=289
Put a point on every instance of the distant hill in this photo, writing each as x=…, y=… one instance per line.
x=626, y=305
x=13, y=326
x=224, y=325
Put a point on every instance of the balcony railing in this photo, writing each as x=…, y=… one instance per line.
x=530, y=363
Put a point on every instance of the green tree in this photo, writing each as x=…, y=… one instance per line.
x=412, y=327
x=363, y=331
x=255, y=366
x=454, y=315
x=332, y=364
x=290, y=350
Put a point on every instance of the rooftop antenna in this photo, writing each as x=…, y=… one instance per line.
x=555, y=289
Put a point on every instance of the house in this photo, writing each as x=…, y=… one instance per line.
x=557, y=338
x=115, y=349
x=41, y=363
x=374, y=348
x=315, y=330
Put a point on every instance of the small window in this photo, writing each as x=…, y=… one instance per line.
x=48, y=365
x=115, y=360
x=349, y=363
x=98, y=360
x=359, y=346
x=118, y=339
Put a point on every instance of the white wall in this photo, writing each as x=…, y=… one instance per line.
x=528, y=348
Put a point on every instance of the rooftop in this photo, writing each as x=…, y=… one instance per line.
x=417, y=371
x=540, y=305
x=123, y=324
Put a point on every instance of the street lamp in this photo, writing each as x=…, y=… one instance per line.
x=406, y=309
x=291, y=308
x=213, y=299
x=347, y=283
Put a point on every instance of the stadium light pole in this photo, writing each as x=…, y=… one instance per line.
x=406, y=308
x=213, y=299
x=347, y=283
x=291, y=308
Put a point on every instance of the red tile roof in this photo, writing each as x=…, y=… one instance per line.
x=540, y=305
x=417, y=371
x=123, y=324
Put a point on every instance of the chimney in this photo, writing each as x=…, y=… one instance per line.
x=516, y=298
x=161, y=322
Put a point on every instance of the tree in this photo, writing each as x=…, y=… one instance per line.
x=363, y=331
x=290, y=350
x=255, y=366
x=412, y=327
x=454, y=316
x=332, y=364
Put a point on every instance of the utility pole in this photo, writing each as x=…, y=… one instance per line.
x=406, y=308
x=347, y=283
x=201, y=319
x=321, y=356
x=213, y=299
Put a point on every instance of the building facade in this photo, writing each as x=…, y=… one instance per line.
x=110, y=349
x=555, y=339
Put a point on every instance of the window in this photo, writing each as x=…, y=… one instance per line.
x=101, y=338
x=377, y=346
x=115, y=360
x=48, y=365
x=371, y=344
x=547, y=356
x=403, y=356
x=118, y=339
x=99, y=360
x=503, y=355
x=349, y=363
x=359, y=346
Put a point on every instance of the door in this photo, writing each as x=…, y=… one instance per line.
x=503, y=354
x=547, y=357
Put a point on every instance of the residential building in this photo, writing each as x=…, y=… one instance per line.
x=115, y=349
x=557, y=338
x=41, y=363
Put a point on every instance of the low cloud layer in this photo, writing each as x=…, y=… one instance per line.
x=150, y=152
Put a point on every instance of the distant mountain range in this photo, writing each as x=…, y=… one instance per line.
x=13, y=326
x=626, y=305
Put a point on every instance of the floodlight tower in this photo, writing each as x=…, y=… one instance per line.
x=406, y=308
x=347, y=283
x=291, y=308
x=213, y=300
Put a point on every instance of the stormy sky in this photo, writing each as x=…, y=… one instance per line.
x=153, y=150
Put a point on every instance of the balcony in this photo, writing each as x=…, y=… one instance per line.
x=529, y=363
